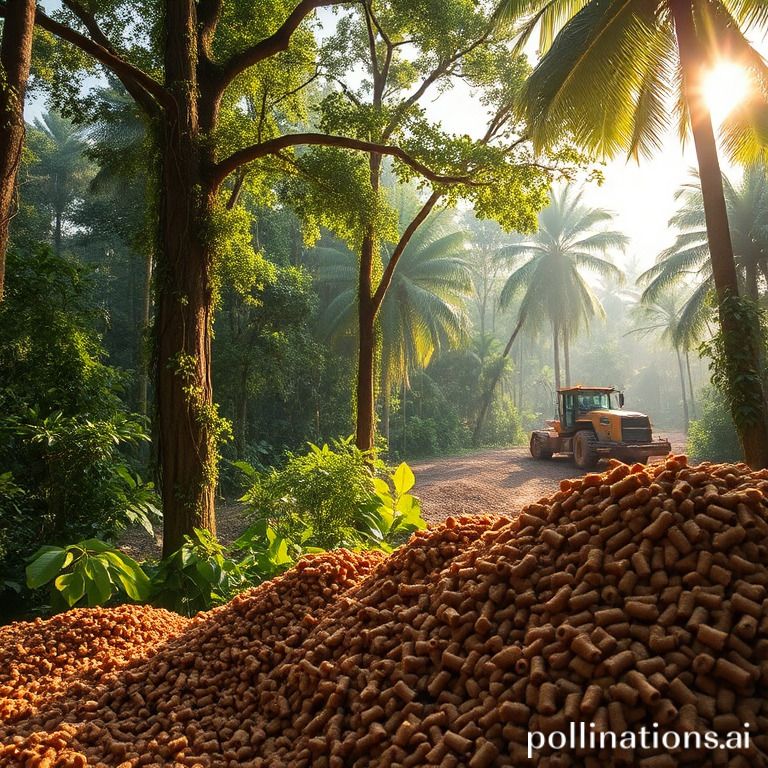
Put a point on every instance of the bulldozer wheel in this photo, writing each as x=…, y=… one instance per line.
x=584, y=453
x=538, y=449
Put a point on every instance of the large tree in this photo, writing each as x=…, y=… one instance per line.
x=408, y=55
x=59, y=175
x=608, y=73
x=15, y=57
x=662, y=317
x=190, y=73
x=424, y=309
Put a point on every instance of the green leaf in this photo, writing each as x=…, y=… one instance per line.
x=278, y=551
x=380, y=486
x=98, y=585
x=136, y=586
x=403, y=479
x=125, y=476
x=71, y=586
x=130, y=574
x=95, y=545
x=41, y=570
x=44, y=548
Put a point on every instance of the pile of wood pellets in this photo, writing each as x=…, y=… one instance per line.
x=629, y=601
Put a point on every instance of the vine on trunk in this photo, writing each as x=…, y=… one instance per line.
x=732, y=361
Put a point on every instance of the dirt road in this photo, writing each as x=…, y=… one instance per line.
x=501, y=481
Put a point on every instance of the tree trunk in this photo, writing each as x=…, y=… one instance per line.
x=186, y=417
x=690, y=384
x=405, y=419
x=15, y=55
x=520, y=374
x=366, y=364
x=146, y=319
x=752, y=287
x=366, y=315
x=242, y=413
x=567, y=355
x=682, y=387
x=57, y=228
x=385, y=403
x=483, y=304
x=556, y=345
x=741, y=346
x=485, y=404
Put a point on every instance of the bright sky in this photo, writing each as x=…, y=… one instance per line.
x=641, y=195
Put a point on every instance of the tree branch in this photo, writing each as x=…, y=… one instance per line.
x=224, y=167
x=389, y=270
x=377, y=77
x=208, y=13
x=269, y=46
x=441, y=69
x=147, y=92
x=294, y=91
x=351, y=96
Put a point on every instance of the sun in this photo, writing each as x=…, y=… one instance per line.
x=725, y=86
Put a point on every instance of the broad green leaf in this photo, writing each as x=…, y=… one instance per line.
x=71, y=586
x=278, y=551
x=126, y=476
x=44, y=548
x=41, y=570
x=207, y=571
x=306, y=534
x=136, y=584
x=119, y=560
x=140, y=516
x=98, y=585
x=405, y=503
x=403, y=479
x=380, y=486
x=129, y=573
x=95, y=545
x=413, y=515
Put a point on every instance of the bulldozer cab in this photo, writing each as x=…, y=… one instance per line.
x=574, y=403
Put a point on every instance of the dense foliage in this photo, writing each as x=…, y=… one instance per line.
x=713, y=435
x=67, y=443
x=323, y=246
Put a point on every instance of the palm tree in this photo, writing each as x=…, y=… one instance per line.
x=548, y=277
x=424, y=309
x=61, y=169
x=662, y=318
x=606, y=77
x=688, y=258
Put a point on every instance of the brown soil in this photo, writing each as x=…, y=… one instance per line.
x=499, y=481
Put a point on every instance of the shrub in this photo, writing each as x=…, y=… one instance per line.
x=331, y=497
x=201, y=574
x=502, y=425
x=89, y=572
x=713, y=437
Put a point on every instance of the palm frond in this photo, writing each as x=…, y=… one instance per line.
x=588, y=83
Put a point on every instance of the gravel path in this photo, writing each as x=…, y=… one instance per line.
x=501, y=481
